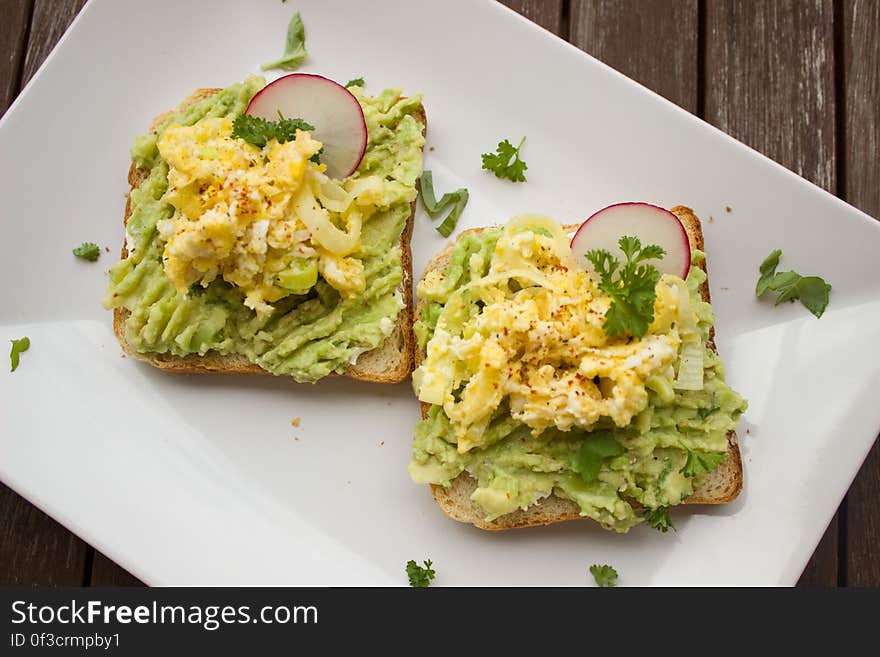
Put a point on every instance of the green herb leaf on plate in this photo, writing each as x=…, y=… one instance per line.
x=604, y=575
x=294, y=47
x=87, y=251
x=18, y=347
x=419, y=576
x=505, y=162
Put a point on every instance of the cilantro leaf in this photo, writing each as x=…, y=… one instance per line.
x=633, y=293
x=604, y=575
x=659, y=519
x=420, y=577
x=813, y=294
x=87, y=251
x=701, y=462
x=767, y=269
x=294, y=47
x=811, y=291
x=260, y=132
x=357, y=82
x=457, y=200
x=505, y=163
x=598, y=446
x=18, y=347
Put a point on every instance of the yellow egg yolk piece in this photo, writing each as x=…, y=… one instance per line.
x=236, y=215
x=529, y=334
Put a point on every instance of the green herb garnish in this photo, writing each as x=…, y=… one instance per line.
x=18, y=347
x=505, y=162
x=260, y=132
x=357, y=82
x=706, y=412
x=659, y=519
x=632, y=293
x=604, y=575
x=598, y=446
x=811, y=291
x=420, y=577
x=701, y=463
x=294, y=47
x=87, y=251
x=457, y=199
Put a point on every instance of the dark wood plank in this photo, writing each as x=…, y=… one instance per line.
x=546, y=13
x=654, y=43
x=769, y=82
x=106, y=573
x=861, y=187
x=13, y=33
x=51, y=18
x=34, y=549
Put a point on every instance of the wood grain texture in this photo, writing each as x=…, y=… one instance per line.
x=106, y=573
x=654, y=43
x=546, y=13
x=50, y=19
x=769, y=82
x=34, y=549
x=13, y=32
x=861, y=186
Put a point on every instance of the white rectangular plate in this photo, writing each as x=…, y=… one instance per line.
x=203, y=480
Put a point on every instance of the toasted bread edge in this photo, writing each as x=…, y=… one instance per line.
x=391, y=362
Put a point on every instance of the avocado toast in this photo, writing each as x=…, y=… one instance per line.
x=313, y=333
x=523, y=482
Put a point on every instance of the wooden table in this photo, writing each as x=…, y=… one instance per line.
x=799, y=80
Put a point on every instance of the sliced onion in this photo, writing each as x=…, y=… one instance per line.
x=322, y=230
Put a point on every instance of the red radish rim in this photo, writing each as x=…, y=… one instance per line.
x=650, y=205
x=321, y=77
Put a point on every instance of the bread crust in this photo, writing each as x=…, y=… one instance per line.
x=720, y=486
x=391, y=362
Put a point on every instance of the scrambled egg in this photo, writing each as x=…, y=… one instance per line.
x=529, y=334
x=264, y=220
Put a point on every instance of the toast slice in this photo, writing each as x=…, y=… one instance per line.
x=390, y=362
x=718, y=487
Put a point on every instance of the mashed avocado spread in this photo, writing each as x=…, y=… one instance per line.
x=313, y=331
x=650, y=445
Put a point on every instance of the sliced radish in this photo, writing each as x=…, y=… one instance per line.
x=330, y=107
x=651, y=224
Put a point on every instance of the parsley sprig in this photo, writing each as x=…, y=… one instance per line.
x=633, y=291
x=356, y=82
x=598, y=446
x=604, y=575
x=260, y=132
x=87, y=251
x=811, y=291
x=701, y=463
x=505, y=162
x=420, y=577
x=659, y=519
